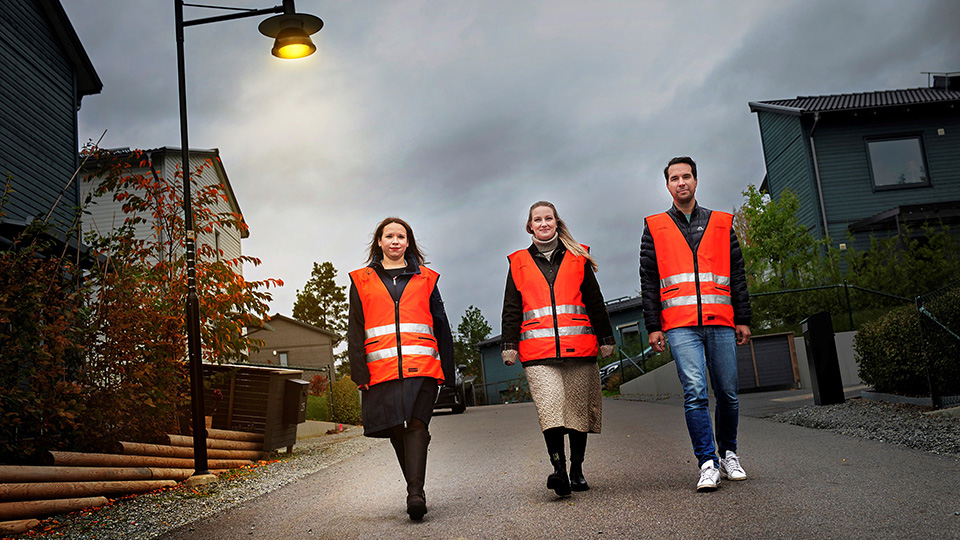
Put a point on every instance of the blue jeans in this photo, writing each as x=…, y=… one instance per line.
x=697, y=350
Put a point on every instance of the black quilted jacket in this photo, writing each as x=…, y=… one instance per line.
x=693, y=231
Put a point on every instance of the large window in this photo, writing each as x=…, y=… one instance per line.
x=897, y=162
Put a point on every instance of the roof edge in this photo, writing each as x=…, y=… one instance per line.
x=780, y=109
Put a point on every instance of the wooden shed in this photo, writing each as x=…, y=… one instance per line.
x=267, y=401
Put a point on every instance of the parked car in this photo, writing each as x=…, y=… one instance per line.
x=455, y=398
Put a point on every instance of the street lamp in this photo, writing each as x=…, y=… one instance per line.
x=291, y=32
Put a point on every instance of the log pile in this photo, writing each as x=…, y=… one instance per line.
x=70, y=481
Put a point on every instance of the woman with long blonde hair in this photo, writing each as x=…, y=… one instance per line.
x=555, y=323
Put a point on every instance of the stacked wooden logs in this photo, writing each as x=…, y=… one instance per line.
x=69, y=481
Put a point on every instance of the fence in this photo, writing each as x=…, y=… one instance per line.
x=849, y=311
x=939, y=324
x=512, y=391
x=939, y=313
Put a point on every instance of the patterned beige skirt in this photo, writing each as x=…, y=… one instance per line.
x=567, y=395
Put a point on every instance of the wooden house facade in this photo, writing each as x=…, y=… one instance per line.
x=863, y=164
x=288, y=342
x=46, y=73
x=105, y=214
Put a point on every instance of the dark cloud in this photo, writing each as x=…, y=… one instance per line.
x=457, y=116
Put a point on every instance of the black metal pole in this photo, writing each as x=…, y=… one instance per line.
x=190, y=245
x=190, y=237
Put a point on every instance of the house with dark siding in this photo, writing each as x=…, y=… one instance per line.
x=46, y=74
x=868, y=163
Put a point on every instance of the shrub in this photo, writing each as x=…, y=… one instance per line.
x=889, y=352
x=318, y=408
x=904, y=353
x=42, y=338
x=613, y=383
x=318, y=385
x=346, y=402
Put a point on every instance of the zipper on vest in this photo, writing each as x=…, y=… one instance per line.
x=696, y=266
x=556, y=323
x=396, y=321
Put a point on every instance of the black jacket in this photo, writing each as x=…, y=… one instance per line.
x=512, y=314
x=355, y=328
x=693, y=231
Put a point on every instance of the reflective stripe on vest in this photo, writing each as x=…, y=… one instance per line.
x=694, y=288
x=555, y=322
x=398, y=348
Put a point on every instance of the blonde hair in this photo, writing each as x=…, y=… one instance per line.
x=565, y=237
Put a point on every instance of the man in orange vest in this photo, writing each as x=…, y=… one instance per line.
x=694, y=290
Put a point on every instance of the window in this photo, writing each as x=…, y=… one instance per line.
x=897, y=162
x=629, y=334
x=283, y=359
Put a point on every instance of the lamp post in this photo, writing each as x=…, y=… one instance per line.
x=291, y=32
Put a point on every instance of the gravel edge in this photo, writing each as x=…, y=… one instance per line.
x=147, y=516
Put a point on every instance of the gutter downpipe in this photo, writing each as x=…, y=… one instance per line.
x=816, y=173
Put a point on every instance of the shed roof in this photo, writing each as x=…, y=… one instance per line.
x=858, y=101
x=301, y=324
x=623, y=304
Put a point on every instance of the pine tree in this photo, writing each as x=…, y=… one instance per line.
x=322, y=302
x=473, y=329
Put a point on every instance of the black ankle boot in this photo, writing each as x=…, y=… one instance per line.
x=577, y=481
x=558, y=481
x=578, y=447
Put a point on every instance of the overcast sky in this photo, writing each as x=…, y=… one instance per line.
x=457, y=116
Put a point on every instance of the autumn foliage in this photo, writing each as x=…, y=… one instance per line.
x=94, y=351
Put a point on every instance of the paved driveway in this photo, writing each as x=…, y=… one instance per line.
x=487, y=471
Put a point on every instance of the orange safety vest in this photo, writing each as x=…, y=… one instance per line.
x=694, y=287
x=555, y=322
x=399, y=341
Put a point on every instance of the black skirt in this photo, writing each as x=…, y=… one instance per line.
x=394, y=403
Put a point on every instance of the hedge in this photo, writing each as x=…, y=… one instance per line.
x=895, y=351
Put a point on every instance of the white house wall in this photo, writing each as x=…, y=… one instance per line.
x=105, y=214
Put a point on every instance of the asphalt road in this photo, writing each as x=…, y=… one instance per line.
x=487, y=471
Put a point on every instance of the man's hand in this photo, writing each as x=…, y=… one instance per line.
x=606, y=351
x=658, y=342
x=509, y=357
x=743, y=334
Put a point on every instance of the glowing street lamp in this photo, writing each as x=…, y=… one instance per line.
x=291, y=32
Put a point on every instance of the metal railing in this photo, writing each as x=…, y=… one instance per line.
x=939, y=313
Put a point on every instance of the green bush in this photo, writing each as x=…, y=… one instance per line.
x=318, y=408
x=904, y=352
x=346, y=402
x=889, y=352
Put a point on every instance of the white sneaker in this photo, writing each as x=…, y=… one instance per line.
x=730, y=467
x=709, y=477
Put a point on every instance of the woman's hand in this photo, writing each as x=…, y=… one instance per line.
x=509, y=357
x=364, y=387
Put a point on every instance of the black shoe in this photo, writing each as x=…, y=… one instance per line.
x=416, y=506
x=558, y=481
x=577, y=481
